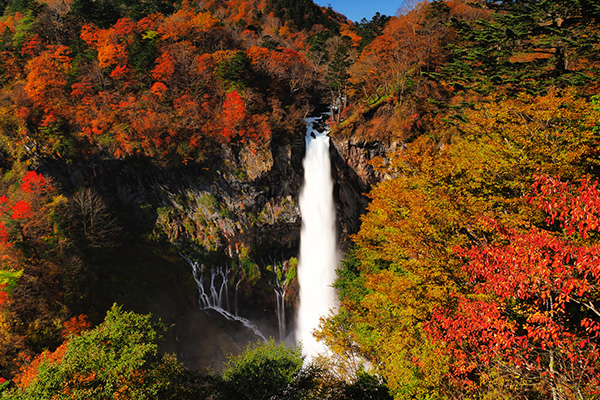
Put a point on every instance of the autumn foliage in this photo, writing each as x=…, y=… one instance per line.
x=475, y=270
x=457, y=232
x=160, y=86
x=117, y=359
x=532, y=314
x=30, y=245
x=19, y=212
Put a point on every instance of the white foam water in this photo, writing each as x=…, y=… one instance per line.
x=319, y=256
x=217, y=296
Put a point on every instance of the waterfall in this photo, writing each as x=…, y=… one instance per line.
x=280, y=310
x=276, y=273
x=279, y=288
x=217, y=295
x=318, y=241
x=214, y=294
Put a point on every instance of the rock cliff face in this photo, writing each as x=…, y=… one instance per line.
x=354, y=177
x=245, y=207
x=245, y=201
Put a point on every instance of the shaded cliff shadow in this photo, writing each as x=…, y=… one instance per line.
x=350, y=198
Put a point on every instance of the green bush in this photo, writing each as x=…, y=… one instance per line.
x=263, y=371
x=117, y=359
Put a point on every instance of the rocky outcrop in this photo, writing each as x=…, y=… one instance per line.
x=354, y=176
x=242, y=206
x=247, y=200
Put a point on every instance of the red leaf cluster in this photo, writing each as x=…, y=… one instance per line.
x=3, y=294
x=234, y=114
x=578, y=210
x=534, y=301
x=75, y=326
x=21, y=209
x=34, y=182
x=23, y=205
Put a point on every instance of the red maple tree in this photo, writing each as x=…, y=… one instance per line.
x=532, y=314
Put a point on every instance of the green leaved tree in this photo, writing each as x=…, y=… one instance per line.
x=118, y=360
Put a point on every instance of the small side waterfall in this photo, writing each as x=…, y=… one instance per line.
x=277, y=275
x=319, y=256
x=280, y=309
x=218, y=292
x=213, y=293
x=279, y=283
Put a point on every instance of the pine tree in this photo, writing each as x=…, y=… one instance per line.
x=337, y=79
x=525, y=45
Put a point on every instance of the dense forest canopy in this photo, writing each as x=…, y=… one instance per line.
x=475, y=270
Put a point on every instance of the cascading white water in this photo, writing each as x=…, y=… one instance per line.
x=318, y=241
x=276, y=273
x=217, y=296
x=280, y=310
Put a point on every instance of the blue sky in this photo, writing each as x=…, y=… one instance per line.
x=356, y=10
